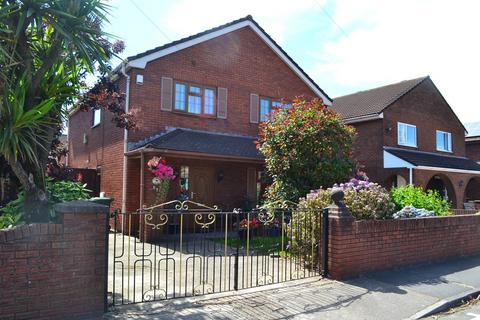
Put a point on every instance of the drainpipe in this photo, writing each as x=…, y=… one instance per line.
x=410, y=175
x=125, y=141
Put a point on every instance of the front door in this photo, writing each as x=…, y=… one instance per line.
x=202, y=185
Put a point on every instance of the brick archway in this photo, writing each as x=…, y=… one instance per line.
x=472, y=190
x=396, y=180
x=444, y=186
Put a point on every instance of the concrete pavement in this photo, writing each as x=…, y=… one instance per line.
x=395, y=294
x=469, y=313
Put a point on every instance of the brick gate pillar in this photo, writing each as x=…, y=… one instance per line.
x=340, y=234
x=85, y=226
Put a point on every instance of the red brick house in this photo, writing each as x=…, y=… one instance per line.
x=407, y=133
x=199, y=101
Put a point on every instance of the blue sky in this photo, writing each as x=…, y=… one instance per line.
x=345, y=46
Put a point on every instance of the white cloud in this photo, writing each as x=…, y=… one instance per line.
x=390, y=41
x=189, y=16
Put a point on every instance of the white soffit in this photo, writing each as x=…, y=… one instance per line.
x=142, y=61
x=391, y=161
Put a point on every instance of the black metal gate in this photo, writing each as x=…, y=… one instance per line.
x=180, y=249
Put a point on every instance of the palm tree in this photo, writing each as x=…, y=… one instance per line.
x=47, y=47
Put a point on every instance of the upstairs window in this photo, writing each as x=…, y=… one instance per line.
x=444, y=141
x=97, y=117
x=266, y=106
x=194, y=99
x=407, y=135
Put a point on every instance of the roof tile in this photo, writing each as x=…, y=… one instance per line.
x=374, y=101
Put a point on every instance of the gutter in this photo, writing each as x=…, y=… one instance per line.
x=125, y=140
x=364, y=118
x=192, y=155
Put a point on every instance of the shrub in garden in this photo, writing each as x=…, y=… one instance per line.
x=364, y=199
x=429, y=200
x=367, y=200
x=305, y=146
x=59, y=191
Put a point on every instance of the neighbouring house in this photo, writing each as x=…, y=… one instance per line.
x=472, y=141
x=198, y=103
x=408, y=133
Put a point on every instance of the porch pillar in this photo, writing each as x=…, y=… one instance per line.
x=142, y=183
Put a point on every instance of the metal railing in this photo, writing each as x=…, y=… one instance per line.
x=179, y=249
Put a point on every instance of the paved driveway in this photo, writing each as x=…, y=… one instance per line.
x=144, y=272
x=394, y=294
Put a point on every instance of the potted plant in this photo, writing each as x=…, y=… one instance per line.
x=250, y=225
x=273, y=228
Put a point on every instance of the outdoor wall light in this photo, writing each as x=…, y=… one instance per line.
x=220, y=175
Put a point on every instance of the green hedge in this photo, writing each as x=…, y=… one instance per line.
x=415, y=196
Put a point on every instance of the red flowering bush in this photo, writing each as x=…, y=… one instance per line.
x=306, y=146
x=252, y=224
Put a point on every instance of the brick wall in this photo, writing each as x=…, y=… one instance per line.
x=424, y=107
x=55, y=271
x=370, y=137
x=239, y=61
x=473, y=150
x=357, y=247
x=103, y=150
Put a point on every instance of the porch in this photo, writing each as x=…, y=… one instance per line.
x=456, y=179
x=210, y=168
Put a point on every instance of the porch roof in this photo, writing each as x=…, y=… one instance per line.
x=420, y=159
x=208, y=143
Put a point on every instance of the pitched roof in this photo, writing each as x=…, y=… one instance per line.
x=210, y=143
x=473, y=129
x=140, y=60
x=373, y=101
x=429, y=159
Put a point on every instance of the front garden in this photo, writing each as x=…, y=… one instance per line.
x=308, y=151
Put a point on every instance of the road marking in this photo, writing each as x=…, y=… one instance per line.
x=474, y=315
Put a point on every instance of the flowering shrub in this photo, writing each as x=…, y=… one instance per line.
x=364, y=199
x=412, y=212
x=305, y=146
x=429, y=200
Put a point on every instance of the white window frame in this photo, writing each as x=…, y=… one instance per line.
x=405, y=143
x=94, y=122
x=271, y=102
x=449, y=141
x=202, y=96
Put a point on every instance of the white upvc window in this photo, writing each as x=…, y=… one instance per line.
x=97, y=117
x=267, y=105
x=444, y=141
x=407, y=135
x=195, y=99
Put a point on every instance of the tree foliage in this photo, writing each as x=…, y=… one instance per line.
x=47, y=48
x=306, y=146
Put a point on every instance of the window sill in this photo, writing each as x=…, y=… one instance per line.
x=444, y=151
x=198, y=115
x=407, y=145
